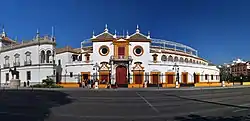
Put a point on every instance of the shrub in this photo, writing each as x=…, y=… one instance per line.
x=47, y=83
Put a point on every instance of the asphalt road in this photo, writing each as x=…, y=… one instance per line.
x=125, y=105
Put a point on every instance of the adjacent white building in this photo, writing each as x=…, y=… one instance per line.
x=33, y=59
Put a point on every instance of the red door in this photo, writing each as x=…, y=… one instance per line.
x=138, y=79
x=121, y=75
x=170, y=79
x=184, y=77
x=104, y=79
x=155, y=79
x=121, y=51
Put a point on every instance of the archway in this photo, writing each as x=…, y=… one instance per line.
x=121, y=75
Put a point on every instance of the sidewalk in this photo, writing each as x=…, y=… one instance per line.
x=127, y=89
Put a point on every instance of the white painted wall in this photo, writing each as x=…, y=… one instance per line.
x=37, y=72
x=96, y=57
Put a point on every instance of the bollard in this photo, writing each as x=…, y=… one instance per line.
x=145, y=84
x=223, y=83
x=96, y=85
x=176, y=84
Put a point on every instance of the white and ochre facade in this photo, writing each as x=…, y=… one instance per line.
x=33, y=59
x=124, y=60
x=120, y=59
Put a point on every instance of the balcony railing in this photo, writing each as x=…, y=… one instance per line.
x=7, y=65
x=120, y=58
x=79, y=62
x=16, y=63
x=27, y=63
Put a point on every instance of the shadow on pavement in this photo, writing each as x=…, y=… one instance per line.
x=200, y=118
x=28, y=105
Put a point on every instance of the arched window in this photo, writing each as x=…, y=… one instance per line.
x=181, y=60
x=170, y=58
x=154, y=58
x=42, y=56
x=197, y=62
x=17, y=60
x=190, y=61
x=176, y=59
x=163, y=58
x=28, y=58
x=186, y=60
x=48, y=55
x=193, y=61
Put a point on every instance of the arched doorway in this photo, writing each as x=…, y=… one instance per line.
x=121, y=75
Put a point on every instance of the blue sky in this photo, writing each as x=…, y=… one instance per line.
x=218, y=29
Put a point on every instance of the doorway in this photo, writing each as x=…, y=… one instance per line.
x=121, y=75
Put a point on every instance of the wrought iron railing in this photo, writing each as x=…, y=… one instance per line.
x=27, y=63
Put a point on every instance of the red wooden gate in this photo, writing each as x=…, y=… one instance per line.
x=121, y=75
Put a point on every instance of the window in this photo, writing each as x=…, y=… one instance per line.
x=7, y=77
x=181, y=60
x=170, y=58
x=28, y=58
x=163, y=58
x=48, y=56
x=71, y=74
x=212, y=77
x=206, y=75
x=175, y=59
x=190, y=61
x=186, y=60
x=87, y=58
x=17, y=59
x=155, y=57
x=59, y=62
x=28, y=75
x=104, y=50
x=42, y=56
x=6, y=59
x=121, y=51
x=138, y=50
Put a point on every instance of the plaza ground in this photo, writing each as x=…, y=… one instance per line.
x=125, y=105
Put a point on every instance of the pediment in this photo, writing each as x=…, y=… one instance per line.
x=104, y=36
x=138, y=67
x=104, y=66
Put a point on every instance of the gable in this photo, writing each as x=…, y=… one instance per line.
x=104, y=66
x=138, y=67
x=105, y=36
x=139, y=37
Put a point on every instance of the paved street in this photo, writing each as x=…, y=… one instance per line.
x=125, y=105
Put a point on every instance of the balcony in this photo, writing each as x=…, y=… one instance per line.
x=16, y=63
x=27, y=63
x=7, y=65
x=121, y=58
x=79, y=63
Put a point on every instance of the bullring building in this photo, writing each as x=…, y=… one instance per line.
x=131, y=60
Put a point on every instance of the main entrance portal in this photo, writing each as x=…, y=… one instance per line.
x=121, y=75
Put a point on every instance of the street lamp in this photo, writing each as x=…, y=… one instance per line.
x=96, y=68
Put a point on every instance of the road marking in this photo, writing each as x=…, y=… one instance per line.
x=240, y=110
x=148, y=103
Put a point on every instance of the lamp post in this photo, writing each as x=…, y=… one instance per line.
x=96, y=68
x=176, y=68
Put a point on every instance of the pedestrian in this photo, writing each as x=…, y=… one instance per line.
x=28, y=83
x=24, y=84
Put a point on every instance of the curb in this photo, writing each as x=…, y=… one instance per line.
x=129, y=89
